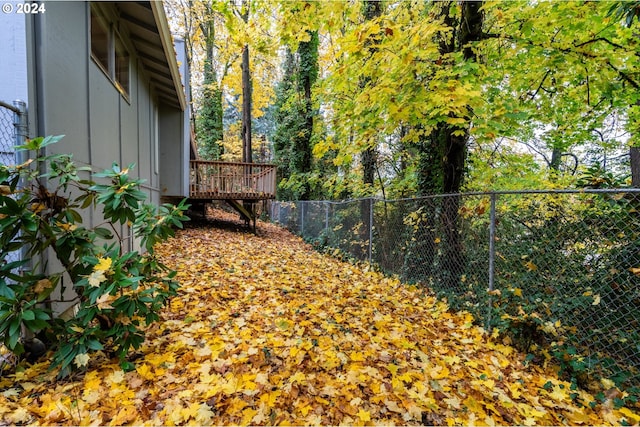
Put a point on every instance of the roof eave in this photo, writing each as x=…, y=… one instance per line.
x=169, y=50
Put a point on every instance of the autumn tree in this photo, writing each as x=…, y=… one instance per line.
x=295, y=118
x=295, y=113
x=579, y=75
x=202, y=25
x=628, y=11
x=371, y=10
x=283, y=118
x=242, y=11
x=210, y=127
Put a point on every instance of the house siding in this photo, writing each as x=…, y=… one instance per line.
x=77, y=99
x=69, y=94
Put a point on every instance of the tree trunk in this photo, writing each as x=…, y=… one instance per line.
x=210, y=130
x=371, y=10
x=634, y=153
x=246, y=94
x=246, y=107
x=308, y=55
x=443, y=153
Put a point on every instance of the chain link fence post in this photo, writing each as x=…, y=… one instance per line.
x=326, y=217
x=492, y=253
x=370, y=229
x=21, y=130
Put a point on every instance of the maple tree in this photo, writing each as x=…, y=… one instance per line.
x=220, y=40
x=533, y=77
x=265, y=330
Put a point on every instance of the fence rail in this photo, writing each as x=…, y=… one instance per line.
x=232, y=180
x=554, y=270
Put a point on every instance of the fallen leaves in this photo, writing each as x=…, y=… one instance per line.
x=267, y=331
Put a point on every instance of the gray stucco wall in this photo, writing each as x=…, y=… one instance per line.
x=172, y=156
x=68, y=93
x=75, y=98
x=174, y=140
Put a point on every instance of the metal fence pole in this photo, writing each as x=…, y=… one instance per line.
x=21, y=132
x=326, y=217
x=492, y=253
x=302, y=218
x=370, y=228
x=492, y=239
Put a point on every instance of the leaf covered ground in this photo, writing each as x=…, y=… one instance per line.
x=267, y=331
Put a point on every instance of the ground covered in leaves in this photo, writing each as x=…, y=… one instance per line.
x=267, y=331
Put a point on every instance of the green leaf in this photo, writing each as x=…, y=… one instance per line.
x=28, y=315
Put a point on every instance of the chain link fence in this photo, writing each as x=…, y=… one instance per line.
x=13, y=131
x=556, y=273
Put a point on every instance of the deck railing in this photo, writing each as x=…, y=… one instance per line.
x=232, y=180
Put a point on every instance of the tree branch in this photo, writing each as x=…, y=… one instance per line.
x=600, y=39
x=624, y=75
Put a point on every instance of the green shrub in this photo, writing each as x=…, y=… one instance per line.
x=118, y=293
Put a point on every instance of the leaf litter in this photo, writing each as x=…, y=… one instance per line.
x=267, y=331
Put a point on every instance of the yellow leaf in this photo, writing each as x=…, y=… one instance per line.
x=81, y=360
x=453, y=402
x=596, y=299
x=364, y=415
x=558, y=394
x=393, y=368
x=297, y=377
x=270, y=398
x=630, y=416
x=103, y=264
x=204, y=415
x=145, y=372
x=474, y=406
x=96, y=278
x=455, y=120
x=125, y=415
x=247, y=415
x=115, y=377
x=104, y=302
x=20, y=416
x=356, y=356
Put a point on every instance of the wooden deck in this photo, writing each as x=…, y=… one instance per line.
x=213, y=180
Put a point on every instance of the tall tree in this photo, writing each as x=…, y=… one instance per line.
x=295, y=113
x=247, y=156
x=307, y=75
x=285, y=122
x=210, y=129
x=371, y=9
x=443, y=149
x=628, y=11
